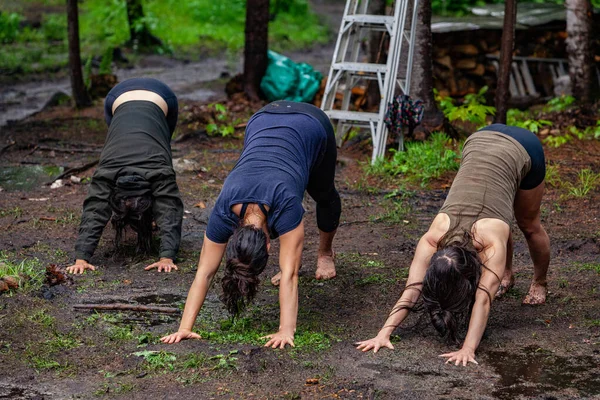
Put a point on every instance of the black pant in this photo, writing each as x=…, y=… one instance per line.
x=150, y=84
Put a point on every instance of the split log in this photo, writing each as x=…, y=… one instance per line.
x=127, y=307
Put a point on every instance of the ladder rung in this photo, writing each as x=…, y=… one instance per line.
x=360, y=67
x=370, y=19
x=353, y=115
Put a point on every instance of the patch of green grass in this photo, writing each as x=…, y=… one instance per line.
x=595, y=267
x=587, y=181
x=43, y=318
x=397, y=210
x=553, y=175
x=15, y=212
x=29, y=273
x=371, y=279
x=246, y=330
x=592, y=322
x=157, y=360
x=117, y=333
x=422, y=161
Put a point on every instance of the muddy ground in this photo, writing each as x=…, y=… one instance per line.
x=50, y=350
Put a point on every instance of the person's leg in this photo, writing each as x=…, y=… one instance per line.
x=527, y=213
x=508, y=280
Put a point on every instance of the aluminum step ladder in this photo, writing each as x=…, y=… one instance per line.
x=347, y=69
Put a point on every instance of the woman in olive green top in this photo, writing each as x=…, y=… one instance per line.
x=465, y=258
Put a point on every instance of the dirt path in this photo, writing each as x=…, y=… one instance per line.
x=49, y=350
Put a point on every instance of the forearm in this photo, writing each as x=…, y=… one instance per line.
x=478, y=321
x=288, y=302
x=194, y=302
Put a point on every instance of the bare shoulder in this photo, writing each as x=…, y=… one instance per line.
x=437, y=229
x=491, y=232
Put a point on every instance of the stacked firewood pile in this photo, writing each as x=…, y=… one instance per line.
x=461, y=65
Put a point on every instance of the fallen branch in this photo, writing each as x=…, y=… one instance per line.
x=75, y=170
x=8, y=146
x=127, y=307
x=67, y=150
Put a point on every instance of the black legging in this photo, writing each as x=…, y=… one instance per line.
x=150, y=84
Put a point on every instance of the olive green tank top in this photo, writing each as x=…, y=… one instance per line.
x=491, y=170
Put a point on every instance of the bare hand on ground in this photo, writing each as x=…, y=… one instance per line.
x=275, y=280
x=164, y=264
x=325, y=267
x=80, y=267
x=536, y=296
x=179, y=336
x=279, y=339
x=506, y=284
x=463, y=356
x=375, y=343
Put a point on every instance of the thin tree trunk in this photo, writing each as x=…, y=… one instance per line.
x=256, y=46
x=80, y=94
x=506, y=50
x=579, y=27
x=422, y=73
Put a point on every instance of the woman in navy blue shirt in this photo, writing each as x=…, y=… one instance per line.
x=289, y=148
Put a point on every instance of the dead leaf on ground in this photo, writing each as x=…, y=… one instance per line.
x=312, y=381
x=200, y=205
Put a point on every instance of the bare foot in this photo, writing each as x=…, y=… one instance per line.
x=537, y=295
x=275, y=280
x=508, y=281
x=325, y=267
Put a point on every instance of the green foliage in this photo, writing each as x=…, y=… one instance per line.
x=225, y=361
x=156, y=360
x=421, y=161
x=595, y=267
x=218, y=124
x=557, y=141
x=106, y=63
x=519, y=118
x=552, y=175
x=472, y=110
x=9, y=27
x=29, y=272
x=587, y=181
x=54, y=27
x=559, y=103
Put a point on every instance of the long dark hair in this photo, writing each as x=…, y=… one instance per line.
x=136, y=212
x=451, y=282
x=247, y=256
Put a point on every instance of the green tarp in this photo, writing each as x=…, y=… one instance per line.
x=287, y=80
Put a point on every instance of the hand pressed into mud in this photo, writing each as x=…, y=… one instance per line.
x=179, y=336
x=507, y=283
x=375, y=343
x=279, y=339
x=164, y=264
x=463, y=356
x=80, y=267
x=325, y=266
x=537, y=294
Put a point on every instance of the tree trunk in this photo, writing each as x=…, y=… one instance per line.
x=256, y=46
x=579, y=27
x=139, y=35
x=80, y=94
x=422, y=73
x=377, y=54
x=506, y=50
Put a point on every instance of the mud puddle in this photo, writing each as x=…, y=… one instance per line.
x=27, y=177
x=535, y=371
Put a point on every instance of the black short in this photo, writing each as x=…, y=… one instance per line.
x=532, y=146
x=150, y=84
